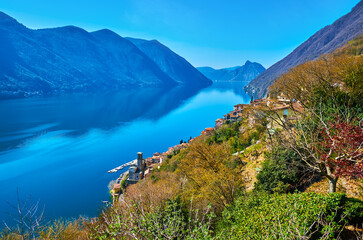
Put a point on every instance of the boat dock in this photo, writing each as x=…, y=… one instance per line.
x=133, y=162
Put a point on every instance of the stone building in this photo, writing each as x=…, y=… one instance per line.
x=136, y=172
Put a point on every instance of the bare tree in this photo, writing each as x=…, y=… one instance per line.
x=28, y=218
x=332, y=148
x=326, y=135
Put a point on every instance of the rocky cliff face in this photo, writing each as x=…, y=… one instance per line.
x=70, y=59
x=243, y=74
x=324, y=41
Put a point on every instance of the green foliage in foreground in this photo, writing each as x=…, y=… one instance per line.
x=171, y=221
x=289, y=216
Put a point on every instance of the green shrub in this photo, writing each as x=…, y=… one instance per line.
x=238, y=141
x=282, y=171
x=354, y=211
x=171, y=164
x=224, y=133
x=123, y=182
x=286, y=216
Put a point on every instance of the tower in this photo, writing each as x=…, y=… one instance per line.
x=140, y=162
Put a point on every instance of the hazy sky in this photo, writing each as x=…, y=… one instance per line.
x=206, y=32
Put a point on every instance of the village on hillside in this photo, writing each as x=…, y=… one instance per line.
x=283, y=110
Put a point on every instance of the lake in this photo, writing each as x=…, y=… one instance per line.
x=57, y=150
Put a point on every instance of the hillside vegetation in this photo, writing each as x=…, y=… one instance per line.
x=247, y=180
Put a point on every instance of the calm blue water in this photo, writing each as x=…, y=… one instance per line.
x=58, y=150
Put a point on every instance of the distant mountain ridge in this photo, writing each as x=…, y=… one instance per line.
x=170, y=63
x=243, y=74
x=324, y=41
x=70, y=59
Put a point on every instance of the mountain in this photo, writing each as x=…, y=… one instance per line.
x=171, y=63
x=243, y=74
x=324, y=41
x=70, y=59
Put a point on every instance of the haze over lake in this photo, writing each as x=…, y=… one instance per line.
x=58, y=149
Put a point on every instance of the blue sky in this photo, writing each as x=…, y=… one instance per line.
x=206, y=32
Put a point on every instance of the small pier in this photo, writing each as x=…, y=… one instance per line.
x=133, y=162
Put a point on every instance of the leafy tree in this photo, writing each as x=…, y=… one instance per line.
x=210, y=178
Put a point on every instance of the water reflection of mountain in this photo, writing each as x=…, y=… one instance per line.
x=49, y=167
x=26, y=118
